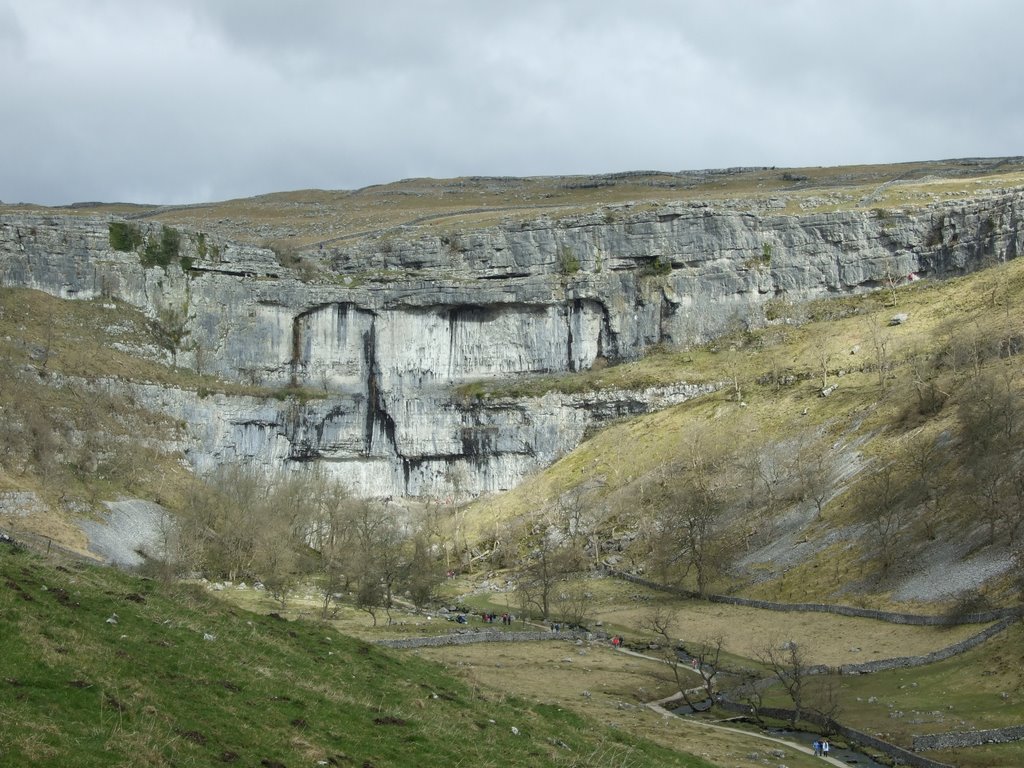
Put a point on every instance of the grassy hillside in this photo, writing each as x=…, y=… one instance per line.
x=981, y=689
x=178, y=678
x=911, y=407
x=906, y=396
x=70, y=431
x=903, y=394
x=64, y=437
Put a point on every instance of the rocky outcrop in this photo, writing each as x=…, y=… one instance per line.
x=388, y=327
x=479, y=446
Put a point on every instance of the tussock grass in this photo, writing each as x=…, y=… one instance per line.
x=99, y=339
x=878, y=419
x=596, y=682
x=827, y=638
x=447, y=207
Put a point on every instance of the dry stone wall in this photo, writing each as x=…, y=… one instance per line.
x=956, y=739
x=905, y=662
x=472, y=637
x=983, y=617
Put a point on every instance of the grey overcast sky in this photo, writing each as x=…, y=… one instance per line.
x=173, y=101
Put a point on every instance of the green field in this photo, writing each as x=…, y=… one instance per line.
x=184, y=679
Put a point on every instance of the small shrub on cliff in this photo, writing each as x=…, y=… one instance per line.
x=161, y=252
x=454, y=244
x=658, y=266
x=170, y=330
x=287, y=256
x=779, y=309
x=124, y=236
x=568, y=262
x=764, y=259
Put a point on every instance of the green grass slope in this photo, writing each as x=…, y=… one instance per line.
x=183, y=679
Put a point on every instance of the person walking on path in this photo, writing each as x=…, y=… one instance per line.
x=824, y=748
x=817, y=748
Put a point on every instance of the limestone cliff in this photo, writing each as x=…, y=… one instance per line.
x=387, y=327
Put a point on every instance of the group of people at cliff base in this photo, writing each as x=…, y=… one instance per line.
x=490, y=618
x=487, y=618
x=821, y=747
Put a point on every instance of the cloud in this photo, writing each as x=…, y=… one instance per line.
x=186, y=100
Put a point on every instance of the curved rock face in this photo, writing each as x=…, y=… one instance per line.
x=390, y=327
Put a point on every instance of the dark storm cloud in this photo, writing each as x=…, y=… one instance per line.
x=188, y=100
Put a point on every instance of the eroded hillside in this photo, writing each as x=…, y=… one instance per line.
x=902, y=482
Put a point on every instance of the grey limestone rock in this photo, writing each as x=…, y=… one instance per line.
x=390, y=329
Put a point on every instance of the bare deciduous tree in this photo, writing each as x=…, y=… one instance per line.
x=689, y=536
x=706, y=656
x=882, y=506
x=381, y=556
x=544, y=564
x=660, y=621
x=241, y=525
x=572, y=603
x=694, y=662
x=823, y=357
x=170, y=330
x=880, y=346
x=423, y=573
x=927, y=386
x=992, y=423
x=787, y=664
x=928, y=462
x=813, y=465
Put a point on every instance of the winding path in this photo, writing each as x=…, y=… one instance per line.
x=658, y=706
